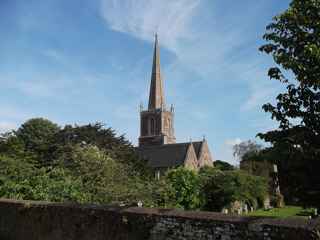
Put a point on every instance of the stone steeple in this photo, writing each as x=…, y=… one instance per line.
x=156, y=97
x=157, y=142
x=157, y=125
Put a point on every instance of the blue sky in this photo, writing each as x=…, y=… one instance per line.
x=81, y=61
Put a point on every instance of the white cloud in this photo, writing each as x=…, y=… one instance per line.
x=7, y=126
x=10, y=112
x=11, y=117
x=232, y=142
x=213, y=50
x=142, y=18
x=259, y=96
x=261, y=88
x=38, y=88
x=202, y=40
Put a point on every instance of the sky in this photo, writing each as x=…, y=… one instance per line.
x=86, y=61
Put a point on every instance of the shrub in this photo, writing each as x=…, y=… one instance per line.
x=181, y=189
x=220, y=189
x=22, y=180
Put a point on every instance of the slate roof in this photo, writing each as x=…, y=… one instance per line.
x=197, y=148
x=168, y=155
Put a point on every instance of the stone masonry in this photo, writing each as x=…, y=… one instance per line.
x=26, y=220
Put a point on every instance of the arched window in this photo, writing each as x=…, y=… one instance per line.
x=152, y=126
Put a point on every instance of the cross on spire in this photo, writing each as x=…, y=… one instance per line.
x=156, y=97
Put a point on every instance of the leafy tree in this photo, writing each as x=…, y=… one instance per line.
x=92, y=176
x=106, y=180
x=246, y=148
x=182, y=188
x=294, y=43
x=36, y=135
x=13, y=146
x=82, y=163
x=221, y=188
x=207, y=172
x=251, y=156
x=23, y=180
x=223, y=166
x=96, y=134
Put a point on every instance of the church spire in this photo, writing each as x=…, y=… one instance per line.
x=156, y=97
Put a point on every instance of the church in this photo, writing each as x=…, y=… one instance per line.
x=157, y=142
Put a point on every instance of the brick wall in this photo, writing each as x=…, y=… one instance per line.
x=26, y=220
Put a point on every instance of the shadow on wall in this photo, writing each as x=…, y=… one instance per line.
x=20, y=220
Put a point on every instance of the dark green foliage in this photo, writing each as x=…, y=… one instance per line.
x=106, y=180
x=210, y=189
x=294, y=42
x=13, y=146
x=92, y=177
x=91, y=164
x=36, y=135
x=36, y=132
x=221, y=188
x=223, y=166
x=105, y=139
x=82, y=163
x=20, y=179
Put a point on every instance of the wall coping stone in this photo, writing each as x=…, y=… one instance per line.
x=253, y=224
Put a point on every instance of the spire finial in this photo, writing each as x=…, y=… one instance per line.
x=172, y=108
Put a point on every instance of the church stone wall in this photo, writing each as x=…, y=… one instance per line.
x=205, y=158
x=191, y=161
x=21, y=220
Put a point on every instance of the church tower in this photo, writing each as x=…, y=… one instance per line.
x=156, y=123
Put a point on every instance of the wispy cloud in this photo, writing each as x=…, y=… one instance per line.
x=11, y=117
x=213, y=46
x=11, y=112
x=232, y=142
x=7, y=126
x=258, y=97
x=37, y=84
x=142, y=18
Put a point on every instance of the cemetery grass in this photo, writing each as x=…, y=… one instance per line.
x=285, y=212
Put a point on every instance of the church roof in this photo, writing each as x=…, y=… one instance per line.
x=197, y=148
x=168, y=155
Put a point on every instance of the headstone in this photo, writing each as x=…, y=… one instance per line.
x=245, y=208
x=225, y=211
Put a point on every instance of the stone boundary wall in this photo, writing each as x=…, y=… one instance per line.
x=28, y=220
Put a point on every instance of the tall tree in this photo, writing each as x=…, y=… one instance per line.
x=118, y=147
x=35, y=134
x=293, y=39
x=223, y=166
x=246, y=149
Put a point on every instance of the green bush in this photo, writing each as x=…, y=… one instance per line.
x=219, y=189
x=181, y=189
x=23, y=180
x=106, y=180
x=92, y=176
x=90, y=164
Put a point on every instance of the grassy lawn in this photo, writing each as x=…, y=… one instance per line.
x=288, y=211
